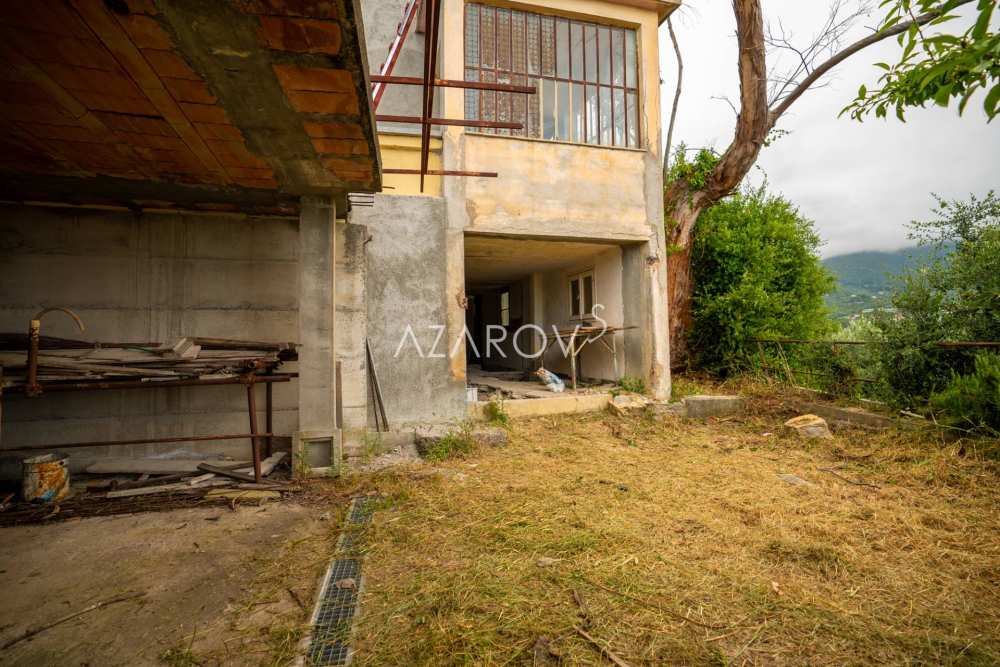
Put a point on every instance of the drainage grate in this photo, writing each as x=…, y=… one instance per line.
x=334, y=615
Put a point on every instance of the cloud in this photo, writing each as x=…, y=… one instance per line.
x=861, y=182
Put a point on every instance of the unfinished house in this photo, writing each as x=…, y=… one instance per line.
x=522, y=210
x=172, y=172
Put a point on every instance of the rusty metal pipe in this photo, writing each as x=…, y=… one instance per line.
x=34, y=334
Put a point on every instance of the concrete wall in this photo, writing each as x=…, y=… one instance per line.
x=140, y=279
x=552, y=189
x=407, y=284
x=596, y=360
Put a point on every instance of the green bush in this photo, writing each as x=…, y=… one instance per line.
x=956, y=298
x=757, y=274
x=632, y=384
x=454, y=444
x=495, y=414
x=973, y=401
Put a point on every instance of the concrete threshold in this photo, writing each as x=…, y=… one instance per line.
x=549, y=405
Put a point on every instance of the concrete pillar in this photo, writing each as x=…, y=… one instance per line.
x=317, y=308
x=647, y=348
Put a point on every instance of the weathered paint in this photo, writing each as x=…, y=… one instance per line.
x=45, y=478
x=402, y=151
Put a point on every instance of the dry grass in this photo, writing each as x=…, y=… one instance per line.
x=686, y=548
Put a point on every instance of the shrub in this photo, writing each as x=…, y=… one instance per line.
x=632, y=384
x=956, y=298
x=454, y=444
x=973, y=400
x=496, y=415
x=757, y=274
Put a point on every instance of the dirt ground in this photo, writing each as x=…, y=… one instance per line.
x=678, y=543
x=196, y=566
x=660, y=542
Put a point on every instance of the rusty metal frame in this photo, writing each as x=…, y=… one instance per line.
x=455, y=83
x=448, y=121
x=442, y=172
x=402, y=30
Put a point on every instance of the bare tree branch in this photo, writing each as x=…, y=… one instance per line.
x=846, y=53
x=677, y=98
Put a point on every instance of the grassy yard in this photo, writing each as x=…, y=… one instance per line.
x=677, y=543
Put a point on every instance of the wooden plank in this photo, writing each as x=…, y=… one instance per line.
x=233, y=474
x=166, y=488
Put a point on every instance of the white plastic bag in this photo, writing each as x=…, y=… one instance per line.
x=551, y=380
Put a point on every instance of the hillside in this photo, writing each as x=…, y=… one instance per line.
x=864, y=278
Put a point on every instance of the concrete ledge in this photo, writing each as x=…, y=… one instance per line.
x=542, y=407
x=702, y=407
x=855, y=416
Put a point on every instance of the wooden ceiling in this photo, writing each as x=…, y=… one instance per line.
x=240, y=105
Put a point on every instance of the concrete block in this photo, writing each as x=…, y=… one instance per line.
x=661, y=410
x=702, y=407
x=855, y=416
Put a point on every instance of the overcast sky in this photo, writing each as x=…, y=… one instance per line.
x=861, y=182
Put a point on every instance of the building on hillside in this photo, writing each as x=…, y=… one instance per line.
x=178, y=172
x=573, y=220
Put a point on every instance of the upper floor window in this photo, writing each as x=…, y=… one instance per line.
x=586, y=76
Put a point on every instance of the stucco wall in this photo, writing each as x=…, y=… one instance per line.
x=553, y=189
x=407, y=285
x=141, y=279
x=597, y=361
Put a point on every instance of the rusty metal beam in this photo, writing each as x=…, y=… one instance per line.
x=146, y=441
x=450, y=121
x=402, y=30
x=433, y=16
x=454, y=83
x=445, y=172
x=113, y=385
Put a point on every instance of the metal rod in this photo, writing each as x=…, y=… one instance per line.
x=155, y=384
x=454, y=83
x=433, y=15
x=268, y=417
x=450, y=121
x=402, y=30
x=254, y=441
x=146, y=441
x=34, y=331
x=446, y=172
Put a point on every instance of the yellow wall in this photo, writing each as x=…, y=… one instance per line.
x=402, y=151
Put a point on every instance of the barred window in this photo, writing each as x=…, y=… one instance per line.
x=585, y=73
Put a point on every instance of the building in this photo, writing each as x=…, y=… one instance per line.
x=574, y=217
x=174, y=168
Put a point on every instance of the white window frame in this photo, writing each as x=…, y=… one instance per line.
x=584, y=313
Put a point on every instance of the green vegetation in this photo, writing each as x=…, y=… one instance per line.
x=957, y=298
x=973, y=400
x=633, y=385
x=935, y=66
x=496, y=415
x=864, y=279
x=454, y=444
x=757, y=274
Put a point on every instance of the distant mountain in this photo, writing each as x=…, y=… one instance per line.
x=864, y=278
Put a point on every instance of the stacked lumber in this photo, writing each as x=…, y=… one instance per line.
x=196, y=475
x=183, y=358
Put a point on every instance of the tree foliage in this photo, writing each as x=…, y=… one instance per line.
x=956, y=298
x=757, y=275
x=935, y=66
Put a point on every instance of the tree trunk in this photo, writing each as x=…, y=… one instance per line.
x=682, y=204
x=682, y=211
